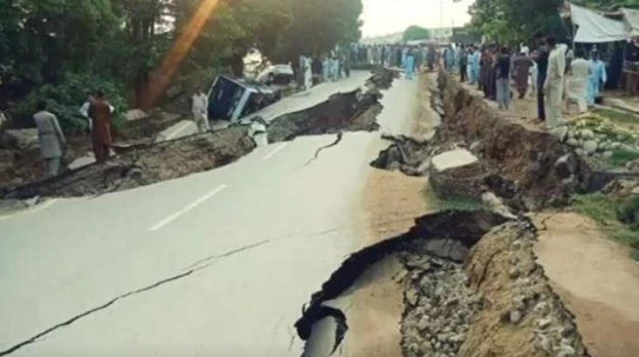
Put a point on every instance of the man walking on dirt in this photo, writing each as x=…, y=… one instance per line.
x=100, y=114
x=50, y=137
x=200, y=110
x=541, y=59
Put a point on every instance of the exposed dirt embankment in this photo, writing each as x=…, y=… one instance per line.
x=521, y=315
x=147, y=164
x=545, y=171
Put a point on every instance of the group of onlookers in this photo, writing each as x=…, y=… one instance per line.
x=556, y=75
x=96, y=110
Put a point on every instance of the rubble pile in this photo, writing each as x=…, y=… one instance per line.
x=409, y=155
x=439, y=307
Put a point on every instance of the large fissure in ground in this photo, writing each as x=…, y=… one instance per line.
x=471, y=288
x=148, y=163
x=527, y=169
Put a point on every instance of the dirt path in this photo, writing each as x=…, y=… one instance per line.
x=595, y=278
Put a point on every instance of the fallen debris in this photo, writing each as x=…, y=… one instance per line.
x=353, y=111
x=147, y=164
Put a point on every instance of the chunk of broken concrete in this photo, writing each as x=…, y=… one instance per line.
x=452, y=159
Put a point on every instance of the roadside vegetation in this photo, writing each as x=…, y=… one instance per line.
x=57, y=50
x=620, y=220
x=451, y=204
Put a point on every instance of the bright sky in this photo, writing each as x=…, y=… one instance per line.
x=383, y=17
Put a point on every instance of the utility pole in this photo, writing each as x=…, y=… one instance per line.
x=441, y=13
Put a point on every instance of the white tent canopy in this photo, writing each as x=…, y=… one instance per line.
x=595, y=28
x=631, y=20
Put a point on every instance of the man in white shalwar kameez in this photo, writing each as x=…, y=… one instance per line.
x=200, y=110
x=554, y=84
x=577, y=83
x=308, y=75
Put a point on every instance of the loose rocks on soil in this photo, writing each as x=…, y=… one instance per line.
x=439, y=307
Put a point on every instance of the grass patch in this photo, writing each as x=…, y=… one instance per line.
x=455, y=204
x=607, y=213
x=622, y=157
x=618, y=116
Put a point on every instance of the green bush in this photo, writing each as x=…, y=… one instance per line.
x=65, y=100
x=610, y=214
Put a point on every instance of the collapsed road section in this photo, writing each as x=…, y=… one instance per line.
x=471, y=288
x=148, y=163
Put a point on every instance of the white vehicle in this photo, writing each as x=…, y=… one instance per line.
x=278, y=74
x=231, y=99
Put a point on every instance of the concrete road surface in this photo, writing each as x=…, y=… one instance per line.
x=213, y=264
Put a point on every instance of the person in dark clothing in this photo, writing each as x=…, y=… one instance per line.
x=398, y=58
x=616, y=66
x=541, y=59
x=463, y=65
x=503, y=70
x=492, y=73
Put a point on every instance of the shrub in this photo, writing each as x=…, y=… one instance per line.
x=66, y=98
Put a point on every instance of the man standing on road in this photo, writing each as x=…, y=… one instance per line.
x=50, y=137
x=598, y=76
x=100, y=114
x=463, y=64
x=475, y=65
x=521, y=68
x=554, y=84
x=201, y=110
x=502, y=68
x=541, y=59
x=410, y=64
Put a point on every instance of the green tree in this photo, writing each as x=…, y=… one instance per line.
x=414, y=33
x=512, y=21
x=57, y=49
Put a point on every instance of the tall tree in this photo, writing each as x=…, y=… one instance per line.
x=413, y=33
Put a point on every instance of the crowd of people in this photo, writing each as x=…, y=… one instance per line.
x=556, y=75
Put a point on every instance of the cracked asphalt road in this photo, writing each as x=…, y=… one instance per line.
x=216, y=263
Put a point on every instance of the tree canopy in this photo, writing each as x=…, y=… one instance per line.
x=58, y=49
x=414, y=33
x=512, y=21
